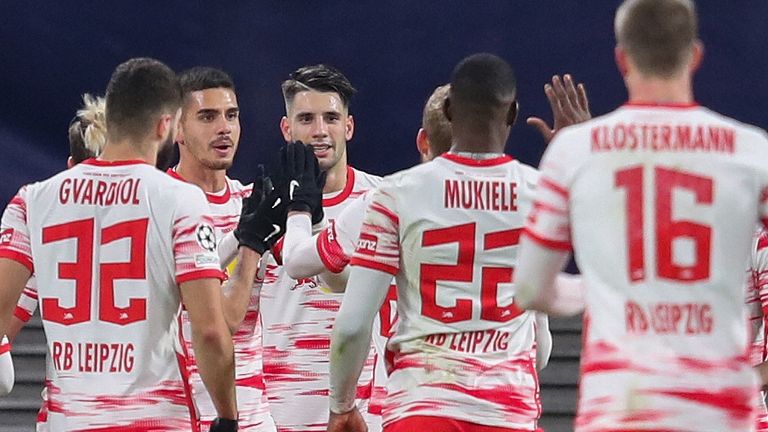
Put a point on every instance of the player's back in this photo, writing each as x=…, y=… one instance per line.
x=110, y=242
x=663, y=202
x=448, y=229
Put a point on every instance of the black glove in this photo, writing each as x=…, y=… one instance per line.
x=262, y=220
x=223, y=425
x=301, y=180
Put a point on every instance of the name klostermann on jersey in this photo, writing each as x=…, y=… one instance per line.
x=493, y=195
x=663, y=137
x=98, y=192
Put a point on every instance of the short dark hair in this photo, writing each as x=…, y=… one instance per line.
x=483, y=81
x=320, y=78
x=140, y=89
x=203, y=78
x=657, y=34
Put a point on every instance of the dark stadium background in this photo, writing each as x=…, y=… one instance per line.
x=394, y=52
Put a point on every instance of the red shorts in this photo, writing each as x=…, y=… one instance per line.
x=440, y=424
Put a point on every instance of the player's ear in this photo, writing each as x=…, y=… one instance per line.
x=697, y=55
x=285, y=128
x=512, y=113
x=349, y=127
x=447, y=108
x=422, y=144
x=621, y=60
x=70, y=162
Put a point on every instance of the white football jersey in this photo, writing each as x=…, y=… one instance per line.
x=757, y=302
x=659, y=204
x=298, y=319
x=448, y=230
x=252, y=404
x=335, y=245
x=109, y=242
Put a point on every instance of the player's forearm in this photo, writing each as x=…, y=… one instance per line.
x=300, y=256
x=540, y=286
x=351, y=339
x=7, y=375
x=238, y=288
x=227, y=249
x=215, y=358
x=543, y=341
x=15, y=277
x=762, y=372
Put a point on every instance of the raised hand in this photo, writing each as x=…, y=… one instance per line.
x=569, y=105
x=301, y=180
x=262, y=219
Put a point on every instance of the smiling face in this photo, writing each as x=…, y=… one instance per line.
x=321, y=120
x=209, y=131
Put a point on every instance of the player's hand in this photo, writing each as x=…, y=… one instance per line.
x=262, y=220
x=350, y=421
x=223, y=425
x=569, y=105
x=302, y=179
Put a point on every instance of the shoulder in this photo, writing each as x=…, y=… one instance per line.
x=238, y=189
x=364, y=180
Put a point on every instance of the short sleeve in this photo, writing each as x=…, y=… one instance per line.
x=336, y=243
x=194, y=239
x=378, y=246
x=27, y=303
x=14, y=232
x=548, y=223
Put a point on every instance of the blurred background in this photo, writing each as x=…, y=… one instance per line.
x=395, y=52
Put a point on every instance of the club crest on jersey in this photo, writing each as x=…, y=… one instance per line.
x=206, y=237
x=5, y=236
x=367, y=243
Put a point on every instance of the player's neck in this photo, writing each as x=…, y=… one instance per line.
x=480, y=141
x=677, y=90
x=128, y=150
x=336, y=179
x=209, y=180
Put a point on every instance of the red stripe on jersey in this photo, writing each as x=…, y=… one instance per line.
x=661, y=105
x=277, y=250
x=200, y=274
x=4, y=348
x=428, y=423
x=502, y=159
x=330, y=251
x=344, y=194
x=19, y=258
x=105, y=163
x=762, y=241
x=373, y=265
x=540, y=206
x=554, y=187
x=548, y=243
x=374, y=206
x=22, y=314
x=183, y=360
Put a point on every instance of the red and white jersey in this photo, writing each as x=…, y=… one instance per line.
x=659, y=204
x=448, y=231
x=252, y=404
x=757, y=305
x=298, y=320
x=112, y=241
x=336, y=244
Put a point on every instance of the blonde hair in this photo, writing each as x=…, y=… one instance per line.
x=434, y=122
x=88, y=130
